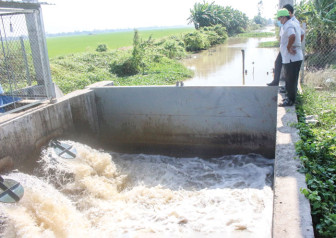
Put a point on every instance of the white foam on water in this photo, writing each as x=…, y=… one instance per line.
x=112, y=195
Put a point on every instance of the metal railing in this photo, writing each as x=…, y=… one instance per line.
x=24, y=66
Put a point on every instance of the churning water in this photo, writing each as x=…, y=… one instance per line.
x=101, y=194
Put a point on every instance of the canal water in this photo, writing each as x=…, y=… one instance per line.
x=222, y=65
x=102, y=194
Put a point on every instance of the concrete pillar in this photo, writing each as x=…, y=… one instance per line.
x=39, y=51
x=34, y=45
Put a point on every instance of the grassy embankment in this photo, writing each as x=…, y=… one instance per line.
x=256, y=34
x=266, y=44
x=75, y=63
x=269, y=44
x=317, y=148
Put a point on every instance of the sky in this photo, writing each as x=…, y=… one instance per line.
x=85, y=15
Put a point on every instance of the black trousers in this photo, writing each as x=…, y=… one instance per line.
x=277, y=69
x=292, y=77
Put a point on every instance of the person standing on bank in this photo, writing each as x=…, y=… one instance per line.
x=291, y=54
x=293, y=18
x=278, y=61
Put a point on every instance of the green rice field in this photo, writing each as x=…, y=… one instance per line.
x=65, y=45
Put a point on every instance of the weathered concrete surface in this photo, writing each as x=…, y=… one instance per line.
x=6, y=164
x=189, y=121
x=23, y=136
x=291, y=215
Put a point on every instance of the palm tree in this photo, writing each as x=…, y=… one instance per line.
x=205, y=14
x=321, y=22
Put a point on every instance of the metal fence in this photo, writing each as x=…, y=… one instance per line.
x=320, y=58
x=24, y=67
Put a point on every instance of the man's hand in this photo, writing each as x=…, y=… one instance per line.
x=290, y=47
x=292, y=51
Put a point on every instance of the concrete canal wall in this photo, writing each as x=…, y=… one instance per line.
x=187, y=120
x=22, y=137
x=191, y=121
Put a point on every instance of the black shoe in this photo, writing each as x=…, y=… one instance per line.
x=286, y=103
x=272, y=84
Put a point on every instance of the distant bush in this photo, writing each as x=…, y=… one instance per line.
x=196, y=41
x=212, y=36
x=221, y=31
x=205, y=37
x=135, y=63
x=124, y=67
x=172, y=49
x=216, y=34
x=101, y=48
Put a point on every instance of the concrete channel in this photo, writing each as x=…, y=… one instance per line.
x=189, y=121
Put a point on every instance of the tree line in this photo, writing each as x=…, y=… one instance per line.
x=209, y=14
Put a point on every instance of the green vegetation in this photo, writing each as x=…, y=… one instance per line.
x=64, y=45
x=101, y=48
x=204, y=38
x=149, y=62
x=256, y=34
x=269, y=44
x=317, y=150
x=209, y=14
x=77, y=71
x=320, y=16
x=317, y=147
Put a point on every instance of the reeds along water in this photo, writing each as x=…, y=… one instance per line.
x=100, y=194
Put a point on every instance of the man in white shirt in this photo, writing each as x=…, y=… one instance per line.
x=293, y=18
x=291, y=54
x=278, y=61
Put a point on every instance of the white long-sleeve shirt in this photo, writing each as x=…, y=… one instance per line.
x=288, y=29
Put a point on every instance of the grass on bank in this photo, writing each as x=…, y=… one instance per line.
x=79, y=70
x=317, y=150
x=269, y=44
x=256, y=34
x=64, y=45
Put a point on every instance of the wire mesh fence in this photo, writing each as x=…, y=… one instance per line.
x=23, y=75
x=320, y=57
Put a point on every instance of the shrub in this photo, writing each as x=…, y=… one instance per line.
x=172, y=49
x=133, y=64
x=196, y=41
x=124, y=67
x=212, y=36
x=221, y=31
x=101, y=48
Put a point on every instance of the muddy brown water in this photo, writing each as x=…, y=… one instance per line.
x=222, y=64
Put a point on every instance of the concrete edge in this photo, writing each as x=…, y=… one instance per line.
x=291, y=209
x=23, y=135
